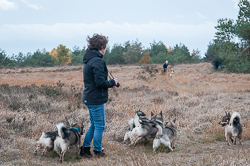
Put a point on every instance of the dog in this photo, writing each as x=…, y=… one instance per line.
x=225, y=119
x=128, y=132
x=146, y=129
x=47, y=141
x=233, y=128
x=157, y=118
x=136, y=121
x=166, y=136
x=68, y=138
x=171, y=74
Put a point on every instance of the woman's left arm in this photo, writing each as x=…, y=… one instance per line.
x=99, y=75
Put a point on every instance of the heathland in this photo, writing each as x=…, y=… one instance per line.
x=34, y=100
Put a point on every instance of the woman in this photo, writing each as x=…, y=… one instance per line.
x=165, y=65
x=95, y=92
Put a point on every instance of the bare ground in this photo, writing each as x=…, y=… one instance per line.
x=36, y=99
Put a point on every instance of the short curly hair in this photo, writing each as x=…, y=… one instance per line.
x=97, y=42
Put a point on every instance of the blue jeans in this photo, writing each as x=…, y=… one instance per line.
x=97, y=119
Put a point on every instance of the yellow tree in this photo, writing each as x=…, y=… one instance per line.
x=53, y=53
x=170, y=51
x=61, y=55
x=145, y=59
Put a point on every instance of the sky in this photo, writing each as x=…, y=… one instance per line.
x=29, y=25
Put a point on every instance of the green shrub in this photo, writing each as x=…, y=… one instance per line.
x=220, y=137
x=50, y=91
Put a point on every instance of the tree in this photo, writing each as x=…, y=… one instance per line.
x=224, y=52
x=38, y=59
x=181, y=54
x=76, y=51
x=61, y=55
x=145, y=59
x=116, y=55
x=195, y=56
x=156, y=48
x=133, y=53
x=2, y=58
x=5, y=60
x=161, y=57
x=243, y=21
x=53, y=53
x=225, y=30
x=170, y=51
x=211, y=52
x=77, y=55
x=19, y=59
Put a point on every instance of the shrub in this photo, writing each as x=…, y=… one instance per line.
x=220, y=137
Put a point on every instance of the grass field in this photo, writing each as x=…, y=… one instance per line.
x=33, y=100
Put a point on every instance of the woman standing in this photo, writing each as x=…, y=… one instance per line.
x=95, y=92
x=165, y=65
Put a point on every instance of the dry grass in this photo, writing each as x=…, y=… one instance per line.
x=33, y=100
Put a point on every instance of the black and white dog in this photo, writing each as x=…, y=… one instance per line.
x=67, y=138
x=166, y=135
x=136, y=121
x=47, y=141
x=233, y=128
x=147, y=128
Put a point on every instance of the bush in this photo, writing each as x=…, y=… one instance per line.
x=238, y=63
x=50, y=91
x=220, y=137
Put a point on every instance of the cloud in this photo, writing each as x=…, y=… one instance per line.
x=7, y=5
x=200, y=15
x=36, y=7
x=64, y=30
x=75, y=34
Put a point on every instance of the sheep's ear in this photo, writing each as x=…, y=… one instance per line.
x=174, y=120
x=229, y=115
x=226, y=113
x=161, y=113
x=152, y=114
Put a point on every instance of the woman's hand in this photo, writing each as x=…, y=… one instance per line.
x=116, y=80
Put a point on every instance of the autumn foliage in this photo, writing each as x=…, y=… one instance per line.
x=145, y=59
x=61, y=55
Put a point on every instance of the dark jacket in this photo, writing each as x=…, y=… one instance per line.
x=95, y=75
x=165, y=65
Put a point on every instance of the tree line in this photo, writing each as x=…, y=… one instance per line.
x=127, y=53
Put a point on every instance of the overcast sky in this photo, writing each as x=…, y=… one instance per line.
x=29, y=25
